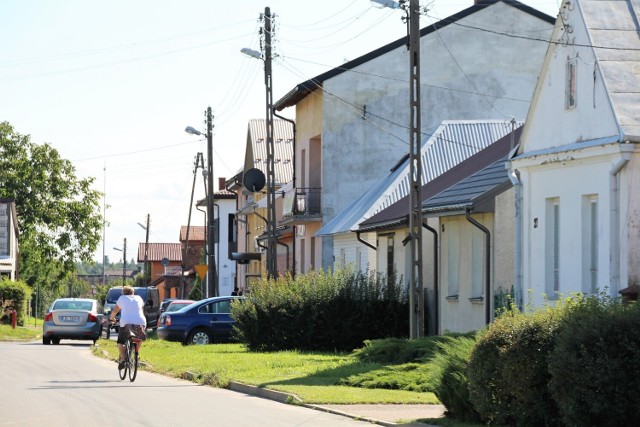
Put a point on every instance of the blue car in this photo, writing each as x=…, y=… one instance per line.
x=203, y=322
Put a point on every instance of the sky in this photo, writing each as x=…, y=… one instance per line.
x=112, y=86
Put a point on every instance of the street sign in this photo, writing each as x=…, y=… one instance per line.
x=202, y=270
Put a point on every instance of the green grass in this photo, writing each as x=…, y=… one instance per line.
x=29, y=332
x=314, y=377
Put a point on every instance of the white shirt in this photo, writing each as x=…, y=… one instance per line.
x=131, y=310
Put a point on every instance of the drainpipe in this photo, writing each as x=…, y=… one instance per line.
x=514, y=176
x=436, y=277
x=614, y=212
x=487, y=273
x=287, y=252
x=364, y=241
x=293, y=179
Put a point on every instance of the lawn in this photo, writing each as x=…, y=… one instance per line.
x=311, y=376
x=31, y=331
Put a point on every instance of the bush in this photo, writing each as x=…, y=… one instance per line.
x=595, y=374
x=453, y=390
x=508, y=372
x=14, y=296
x=322, y=311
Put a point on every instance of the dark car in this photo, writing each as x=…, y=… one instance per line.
x=149, y=295
x=203, y=322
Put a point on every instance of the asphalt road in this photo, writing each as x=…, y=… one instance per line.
x=65, y=385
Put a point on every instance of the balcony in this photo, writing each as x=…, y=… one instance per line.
x=302, y=205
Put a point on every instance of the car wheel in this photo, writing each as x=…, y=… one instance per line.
x=46, y=340
x=56, y=340
x=199, y=337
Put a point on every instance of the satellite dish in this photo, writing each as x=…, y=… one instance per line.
x=254, y=180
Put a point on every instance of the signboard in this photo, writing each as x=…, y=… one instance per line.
x=202, y=270
x=4, y=229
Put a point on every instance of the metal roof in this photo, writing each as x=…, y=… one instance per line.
x=256, y=151
x=452, y=143
x=459, y=187
x=613, y=28
x=158, y=251
x=196, y=233
x=303, y=89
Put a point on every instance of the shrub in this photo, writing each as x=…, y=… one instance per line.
x=595, y=375
x=508, y=372
x=321, y=311
x=453, y=389
x=14, y=295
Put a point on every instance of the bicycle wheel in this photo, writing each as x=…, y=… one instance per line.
x=133, y=361
x=123, y=372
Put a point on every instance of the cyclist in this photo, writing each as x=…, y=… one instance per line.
x=132, y=319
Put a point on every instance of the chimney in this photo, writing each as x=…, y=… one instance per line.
x=221, y=182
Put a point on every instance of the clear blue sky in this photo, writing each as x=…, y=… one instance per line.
x=112, y=85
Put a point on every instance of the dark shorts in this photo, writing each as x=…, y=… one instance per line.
x=125, y=331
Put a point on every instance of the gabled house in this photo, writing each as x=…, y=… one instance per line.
x=351, y=122
x=579, y=160
x=165, y=261
x=467, y=239
x=249, y=220
x=9, y=253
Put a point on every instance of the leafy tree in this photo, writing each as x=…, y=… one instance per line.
x=58, y=213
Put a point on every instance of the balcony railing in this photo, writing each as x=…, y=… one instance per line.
x=302, y=204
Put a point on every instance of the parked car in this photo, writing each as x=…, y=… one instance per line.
x=165, y=302
x=73, y=319
x=176, y=305
x=149, y=295
x=203, y=322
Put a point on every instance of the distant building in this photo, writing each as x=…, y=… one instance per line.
x=8, y=239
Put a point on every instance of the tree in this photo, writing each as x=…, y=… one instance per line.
x=58, y=213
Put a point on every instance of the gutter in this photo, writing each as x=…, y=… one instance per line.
x=436, y=278
x=365, y=242
x=514, y=176
x=614, y=213
x=487, y=273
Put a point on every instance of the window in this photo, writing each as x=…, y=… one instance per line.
x=570, y=99
x=453, y=250
x=552, y=246
x=590, y=244
x=390, y=259
x=477, y=263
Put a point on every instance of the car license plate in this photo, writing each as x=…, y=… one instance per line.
x=69, y=318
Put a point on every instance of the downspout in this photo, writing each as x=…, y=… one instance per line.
x=287, y=252
x=514, y=176
x=436, y=277
x=487, y=273
x=364, y=241
x=614, y=212
x=293, y=179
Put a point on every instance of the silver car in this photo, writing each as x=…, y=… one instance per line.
x=72, y=318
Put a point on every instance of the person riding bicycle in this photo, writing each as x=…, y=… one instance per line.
x=132, y=319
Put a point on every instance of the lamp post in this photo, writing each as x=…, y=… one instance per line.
x=147, y=273
x=272, y=238
x=416, y=293
x=124, y=260
x=212, y=278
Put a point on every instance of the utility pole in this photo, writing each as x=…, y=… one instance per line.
x=211, y=244
x=272, y=238
x=147, y=269
x=416, y=293
x=124, y=259
x=199, y=162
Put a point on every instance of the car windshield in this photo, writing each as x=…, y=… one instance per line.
x=73, y=305
x=114, y=294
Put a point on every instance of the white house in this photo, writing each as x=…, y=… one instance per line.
x=8, y=239
x=479, y=64
x=579, y=161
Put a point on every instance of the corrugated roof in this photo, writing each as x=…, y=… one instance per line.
x=303, y=89
x=450, y=144
x=434, y=192
x=283, y=148
x=613, y=28
x=196, y=233
x=158, y=251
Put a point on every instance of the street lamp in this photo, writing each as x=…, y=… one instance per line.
x=124, y=260
x=211, y=260
x=147, y=273
x=416, y=293
x=272, y=238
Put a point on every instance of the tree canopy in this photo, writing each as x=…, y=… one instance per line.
x=58, y=213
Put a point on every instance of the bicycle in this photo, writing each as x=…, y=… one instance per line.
x=131, y=358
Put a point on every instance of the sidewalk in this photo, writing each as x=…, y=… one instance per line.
x=381, y=414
